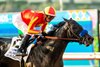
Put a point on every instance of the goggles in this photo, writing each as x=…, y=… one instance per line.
x=49, y=17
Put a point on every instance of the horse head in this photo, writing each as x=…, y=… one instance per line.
x=74, y=30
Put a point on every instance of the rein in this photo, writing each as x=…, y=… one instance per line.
x=57, y=38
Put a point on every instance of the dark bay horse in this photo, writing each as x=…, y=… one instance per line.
x=50, y=53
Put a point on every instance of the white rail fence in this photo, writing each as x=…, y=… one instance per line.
x=82, y=56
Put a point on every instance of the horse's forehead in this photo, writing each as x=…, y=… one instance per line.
x=76, y=24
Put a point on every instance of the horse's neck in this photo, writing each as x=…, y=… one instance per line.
x=59, y=47
x=61, y=44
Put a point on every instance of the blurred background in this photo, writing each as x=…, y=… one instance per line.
x=85, y=12
x=19, y=5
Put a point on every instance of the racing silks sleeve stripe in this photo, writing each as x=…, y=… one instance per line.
x=32, y=31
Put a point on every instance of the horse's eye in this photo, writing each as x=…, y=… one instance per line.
x=75, y=29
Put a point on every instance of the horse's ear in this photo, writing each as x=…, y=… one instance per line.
x=65, y=19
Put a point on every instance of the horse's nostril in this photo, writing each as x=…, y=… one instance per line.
x=92, y=39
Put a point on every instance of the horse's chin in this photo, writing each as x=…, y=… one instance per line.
x=87, y=44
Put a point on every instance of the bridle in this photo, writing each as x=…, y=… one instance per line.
x=69, y=26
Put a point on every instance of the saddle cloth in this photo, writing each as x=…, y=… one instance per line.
x=11, y=53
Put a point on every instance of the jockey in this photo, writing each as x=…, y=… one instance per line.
x=32, y=22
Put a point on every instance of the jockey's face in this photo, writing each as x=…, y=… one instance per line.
x=48, y=18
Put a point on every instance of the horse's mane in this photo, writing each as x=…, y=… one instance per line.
x=60, y=24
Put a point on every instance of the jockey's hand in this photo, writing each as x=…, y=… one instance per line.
x=44, y=34
x=38, y=36
x=35, y=36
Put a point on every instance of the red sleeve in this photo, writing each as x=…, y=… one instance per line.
x=43, y=27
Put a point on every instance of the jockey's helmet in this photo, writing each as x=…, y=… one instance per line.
x=50, y=13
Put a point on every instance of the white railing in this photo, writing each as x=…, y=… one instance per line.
x=82, y=56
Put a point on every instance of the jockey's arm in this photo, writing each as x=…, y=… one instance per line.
x=44, y=26
x=32, y=25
